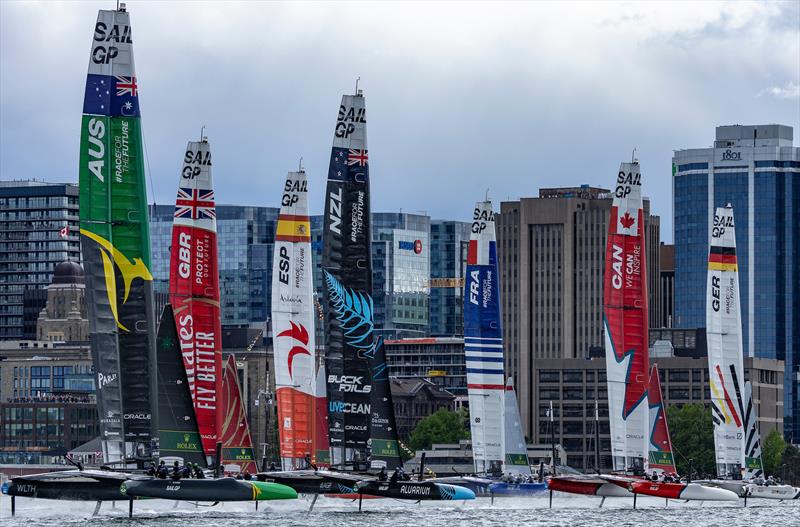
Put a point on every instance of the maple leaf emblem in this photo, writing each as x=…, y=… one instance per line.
x=627, y=220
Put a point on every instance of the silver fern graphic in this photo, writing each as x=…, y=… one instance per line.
x=354, y=312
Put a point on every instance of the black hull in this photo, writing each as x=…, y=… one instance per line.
x=310, y=482
x=77, y=491
x=214, y=490
x=414, y=490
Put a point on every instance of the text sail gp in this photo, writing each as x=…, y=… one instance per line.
x=347, y=282
x=194, y=288
x=115, y=243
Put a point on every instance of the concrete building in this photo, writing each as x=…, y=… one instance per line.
x=449, y=245
x=47, y=404
x=416, y=399
x=573, y=384
x=64, y=317
x=439, y=359
x=551, y=254
x=38, y=230
x=666, y=285
x=755, y=169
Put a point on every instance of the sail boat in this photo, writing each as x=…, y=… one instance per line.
x=115, y=246
x=723, y=334
x=626, y=322
x=347, y=281
x=194, y=288
x=293, y=331
x=483, y=344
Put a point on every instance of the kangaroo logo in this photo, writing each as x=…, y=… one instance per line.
x=130, y=271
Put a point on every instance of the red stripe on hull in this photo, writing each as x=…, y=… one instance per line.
x=287, y=238
x=722, y=258
x=292, y=217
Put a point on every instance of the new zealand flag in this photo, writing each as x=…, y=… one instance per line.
x=112, y=96
x=349, y=164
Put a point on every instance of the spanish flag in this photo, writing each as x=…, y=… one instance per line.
x=293, y=228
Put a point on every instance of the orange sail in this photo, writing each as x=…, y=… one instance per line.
x=237, y=445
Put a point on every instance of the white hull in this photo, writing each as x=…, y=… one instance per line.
x=772, y=492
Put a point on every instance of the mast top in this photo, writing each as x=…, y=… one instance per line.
x=203, y=138
x=300, y=165
x=358, y=92
x=121, y=6
x=633, y=157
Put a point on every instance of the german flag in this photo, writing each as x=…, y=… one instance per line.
x=292, y=228
x=722, y=259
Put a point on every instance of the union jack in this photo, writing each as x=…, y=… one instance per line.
x=357, y=157
x=195, y=203
x=127, y=85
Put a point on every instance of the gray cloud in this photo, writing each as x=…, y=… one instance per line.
x=461, y=97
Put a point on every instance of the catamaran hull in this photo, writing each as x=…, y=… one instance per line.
x=224, y=489
x=735, y=486
x=71, y=485
x=499, y=490
x=772, y=492
x=480, y=486
x=414, y=490
x=309, y=482
x=683, y=491
x=587, y=487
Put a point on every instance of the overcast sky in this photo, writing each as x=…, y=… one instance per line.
x=461, y=97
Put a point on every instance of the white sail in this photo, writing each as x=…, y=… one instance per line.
x=293, y=325
x=516, y=457
x=724, y=337
x=753, y=465
x=483, y=343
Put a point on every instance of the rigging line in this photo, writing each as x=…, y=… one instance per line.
x=147, y=162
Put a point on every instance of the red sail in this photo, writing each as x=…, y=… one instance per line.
x=660, y=451
x=194, y=288
x=237, y=445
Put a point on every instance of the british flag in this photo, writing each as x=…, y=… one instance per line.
x=193, y=203
x=127, y=86
x=357, y=157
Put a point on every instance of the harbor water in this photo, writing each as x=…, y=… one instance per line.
x=567, y=511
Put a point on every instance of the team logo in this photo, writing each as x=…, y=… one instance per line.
x=300, y=334
x=130, y=269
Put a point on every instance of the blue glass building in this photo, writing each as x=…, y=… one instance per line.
x=449, y=244
x=757, y=170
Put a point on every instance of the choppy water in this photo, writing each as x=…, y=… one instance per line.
x=568, y=511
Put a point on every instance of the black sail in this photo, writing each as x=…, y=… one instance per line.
x=347, y=269
x=384, y=444
x=178, y=433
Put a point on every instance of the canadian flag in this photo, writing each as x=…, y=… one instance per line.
x=64, y=232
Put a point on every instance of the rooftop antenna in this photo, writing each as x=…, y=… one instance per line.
x=357, y=91
x=633, y=155
x=203, y=134
x=300, y=165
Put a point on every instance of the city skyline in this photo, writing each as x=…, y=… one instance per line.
x=511, y=88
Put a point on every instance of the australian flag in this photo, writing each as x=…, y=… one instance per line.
x=111, y=95
x=349, y=164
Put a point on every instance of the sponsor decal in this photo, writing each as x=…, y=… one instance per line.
x=349, y=383
x=720, y=223
x=350, y=408
x=199, y=359
x=415, y=490
x=103, y=380
x=130, y=270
